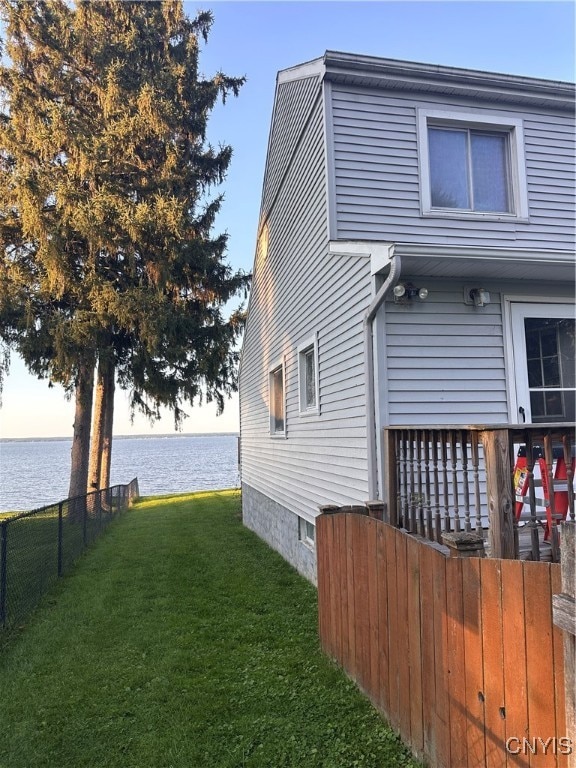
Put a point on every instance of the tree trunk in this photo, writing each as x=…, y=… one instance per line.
x=97, y=437
x=81, y=439
x=106, y=452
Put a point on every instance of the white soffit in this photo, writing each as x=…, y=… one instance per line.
x=379, y=253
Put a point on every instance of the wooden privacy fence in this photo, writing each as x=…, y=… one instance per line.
x=459, y=654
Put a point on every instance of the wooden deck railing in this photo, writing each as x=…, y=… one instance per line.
x=488, y=479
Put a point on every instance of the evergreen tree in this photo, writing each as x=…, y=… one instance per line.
x=106, y=207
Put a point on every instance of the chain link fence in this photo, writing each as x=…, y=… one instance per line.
x=39, y=546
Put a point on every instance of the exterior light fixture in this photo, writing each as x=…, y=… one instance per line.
x=404, y=292
x=479, y=297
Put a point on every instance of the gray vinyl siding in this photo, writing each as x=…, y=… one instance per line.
x=292, y=108
x=299, y=290
x=377, y=174
x=446, y=361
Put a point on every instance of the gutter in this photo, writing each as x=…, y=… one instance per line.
x=435, y=78
x=381, y=255
x=391, y=280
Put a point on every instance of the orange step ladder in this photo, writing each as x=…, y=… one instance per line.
x=558, y=502
x=556, y=505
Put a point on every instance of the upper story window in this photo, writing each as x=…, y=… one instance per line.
x=308, y=376
x=469, y=170
x=277, y=401
x=472, y=165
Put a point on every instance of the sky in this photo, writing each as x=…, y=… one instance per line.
x=256, y=40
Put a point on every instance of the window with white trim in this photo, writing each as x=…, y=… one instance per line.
x=277, y=400
x=308, y=376
x=307, y=532
x=472, y=165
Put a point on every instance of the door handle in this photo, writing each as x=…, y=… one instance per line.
x=522, y=412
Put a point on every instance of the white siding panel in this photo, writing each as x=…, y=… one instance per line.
x=377, y=179
x=299, y=289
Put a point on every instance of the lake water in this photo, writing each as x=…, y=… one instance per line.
x=34, y=473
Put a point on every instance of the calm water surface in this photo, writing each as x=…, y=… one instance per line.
x=36, y=472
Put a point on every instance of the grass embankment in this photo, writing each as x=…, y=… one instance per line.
x=182, y=641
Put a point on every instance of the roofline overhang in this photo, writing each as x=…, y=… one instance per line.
x=395, y=74
x=466, y=261
x=551, y=255
x=549, y=265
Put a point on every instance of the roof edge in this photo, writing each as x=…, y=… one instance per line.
x=435, y=76
x=312, y=68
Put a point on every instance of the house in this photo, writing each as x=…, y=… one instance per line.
x=414, y=266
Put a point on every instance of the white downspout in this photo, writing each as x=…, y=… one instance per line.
x=381, y=254
x=391, y=280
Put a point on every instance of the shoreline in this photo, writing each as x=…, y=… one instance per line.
x=120, y=437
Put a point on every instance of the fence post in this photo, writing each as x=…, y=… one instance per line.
x=328, y=509
x=354, y=509
x=60, y=538
x=464, y=544
x=564, y=615
x=376, y=509
x=85, y=520
x=499, y=491
x=391, y=488
x=3, y=570
x=99, y=511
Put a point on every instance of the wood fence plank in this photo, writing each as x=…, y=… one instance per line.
x=333, y=564
x=564, y=615
x=441, y=705
x=539, y=659
x=372, y=561
x=514, y=659
x=456, y=662
x=319, y=536
x=342, y=588
x=403, y=656
x=330, y=564
x=361, y=604
x=495, y=731
x=474, y=671
x=350, y=595
x=415, y=644
x=322, y=576
x=559, y=679
x=427, y=639
x=383, y=621
x=393, y=644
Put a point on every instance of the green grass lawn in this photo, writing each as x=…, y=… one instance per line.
x=181, y=641
x=32, y=553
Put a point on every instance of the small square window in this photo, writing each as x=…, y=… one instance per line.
x=471, y=165
x=277, y=402
x=307, y=532
x=308, y=377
